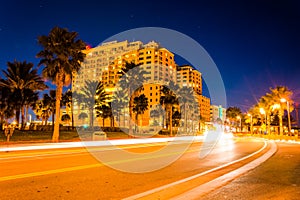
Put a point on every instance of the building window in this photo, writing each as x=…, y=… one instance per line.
x=150, y=88
x=150, y=94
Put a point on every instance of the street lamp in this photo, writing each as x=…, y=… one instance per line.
x=283, y=100
x=239, y=118
x=251, y=123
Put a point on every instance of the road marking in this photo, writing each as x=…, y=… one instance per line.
x=222, y=180
x=149, y=192
x=6, y=178
x=27, y=175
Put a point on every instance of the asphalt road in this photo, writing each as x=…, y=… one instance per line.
x=277, y=178
x=76, y=174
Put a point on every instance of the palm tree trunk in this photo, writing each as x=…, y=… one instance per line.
x=59, y=88
x=17, y=116
x=91, y=118
x=22, y=117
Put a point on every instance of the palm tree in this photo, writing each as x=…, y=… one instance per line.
x=140, y=105
x=61, y=56
x=232, y=113
x=49, y=100
x=92, y=96
x=21, y=78
x=187, y=98
x=6, y=108
x=277, y=94
x=104, y=111
x=67, y=101
x=30, y=100
x=119, y=101
x=65, y=118
x=131, y=81
x=169, y=99
x=42, y=111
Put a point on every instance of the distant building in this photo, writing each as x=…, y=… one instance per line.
x=217, y=112
x=105, y=61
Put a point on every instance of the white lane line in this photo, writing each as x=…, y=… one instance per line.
x=149, y=192
x=222, y=180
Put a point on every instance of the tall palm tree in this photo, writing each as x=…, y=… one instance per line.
x=278, y=93
x=119, y=102
x=187, y=99
x=169, y=99
x=140, y=105
x=132, y=79
x=21, y=78
x=61, y=56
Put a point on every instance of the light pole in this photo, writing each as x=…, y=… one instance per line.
x=239, y=118
x=283, y=100
x=251, y=123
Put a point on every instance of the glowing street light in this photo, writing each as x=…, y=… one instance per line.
x=283, y=100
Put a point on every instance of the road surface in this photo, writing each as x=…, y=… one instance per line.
x=74, y=173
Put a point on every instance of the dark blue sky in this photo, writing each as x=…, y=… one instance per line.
x=255, y=44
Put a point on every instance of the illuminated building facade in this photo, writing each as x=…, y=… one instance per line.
x=105, y=61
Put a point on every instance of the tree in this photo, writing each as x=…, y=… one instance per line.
x=49, y=101
x=140, y=105
x=119, y=101
x=67, y=101
x=187, y=98
x=6, y=108
x=169, y=99
x=232, y=113
x=42, y=111
x=61, y=56
x=65, y=118
x=104, y=111
x=91, y=97
x=132, y=79
x=20, y=79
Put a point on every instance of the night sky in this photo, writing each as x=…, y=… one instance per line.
x=255, y=44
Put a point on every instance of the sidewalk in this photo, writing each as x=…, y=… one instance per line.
x=277, y=178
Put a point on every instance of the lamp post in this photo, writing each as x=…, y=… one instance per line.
x=251, y=123
x=283, y=100
x=239, y=118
